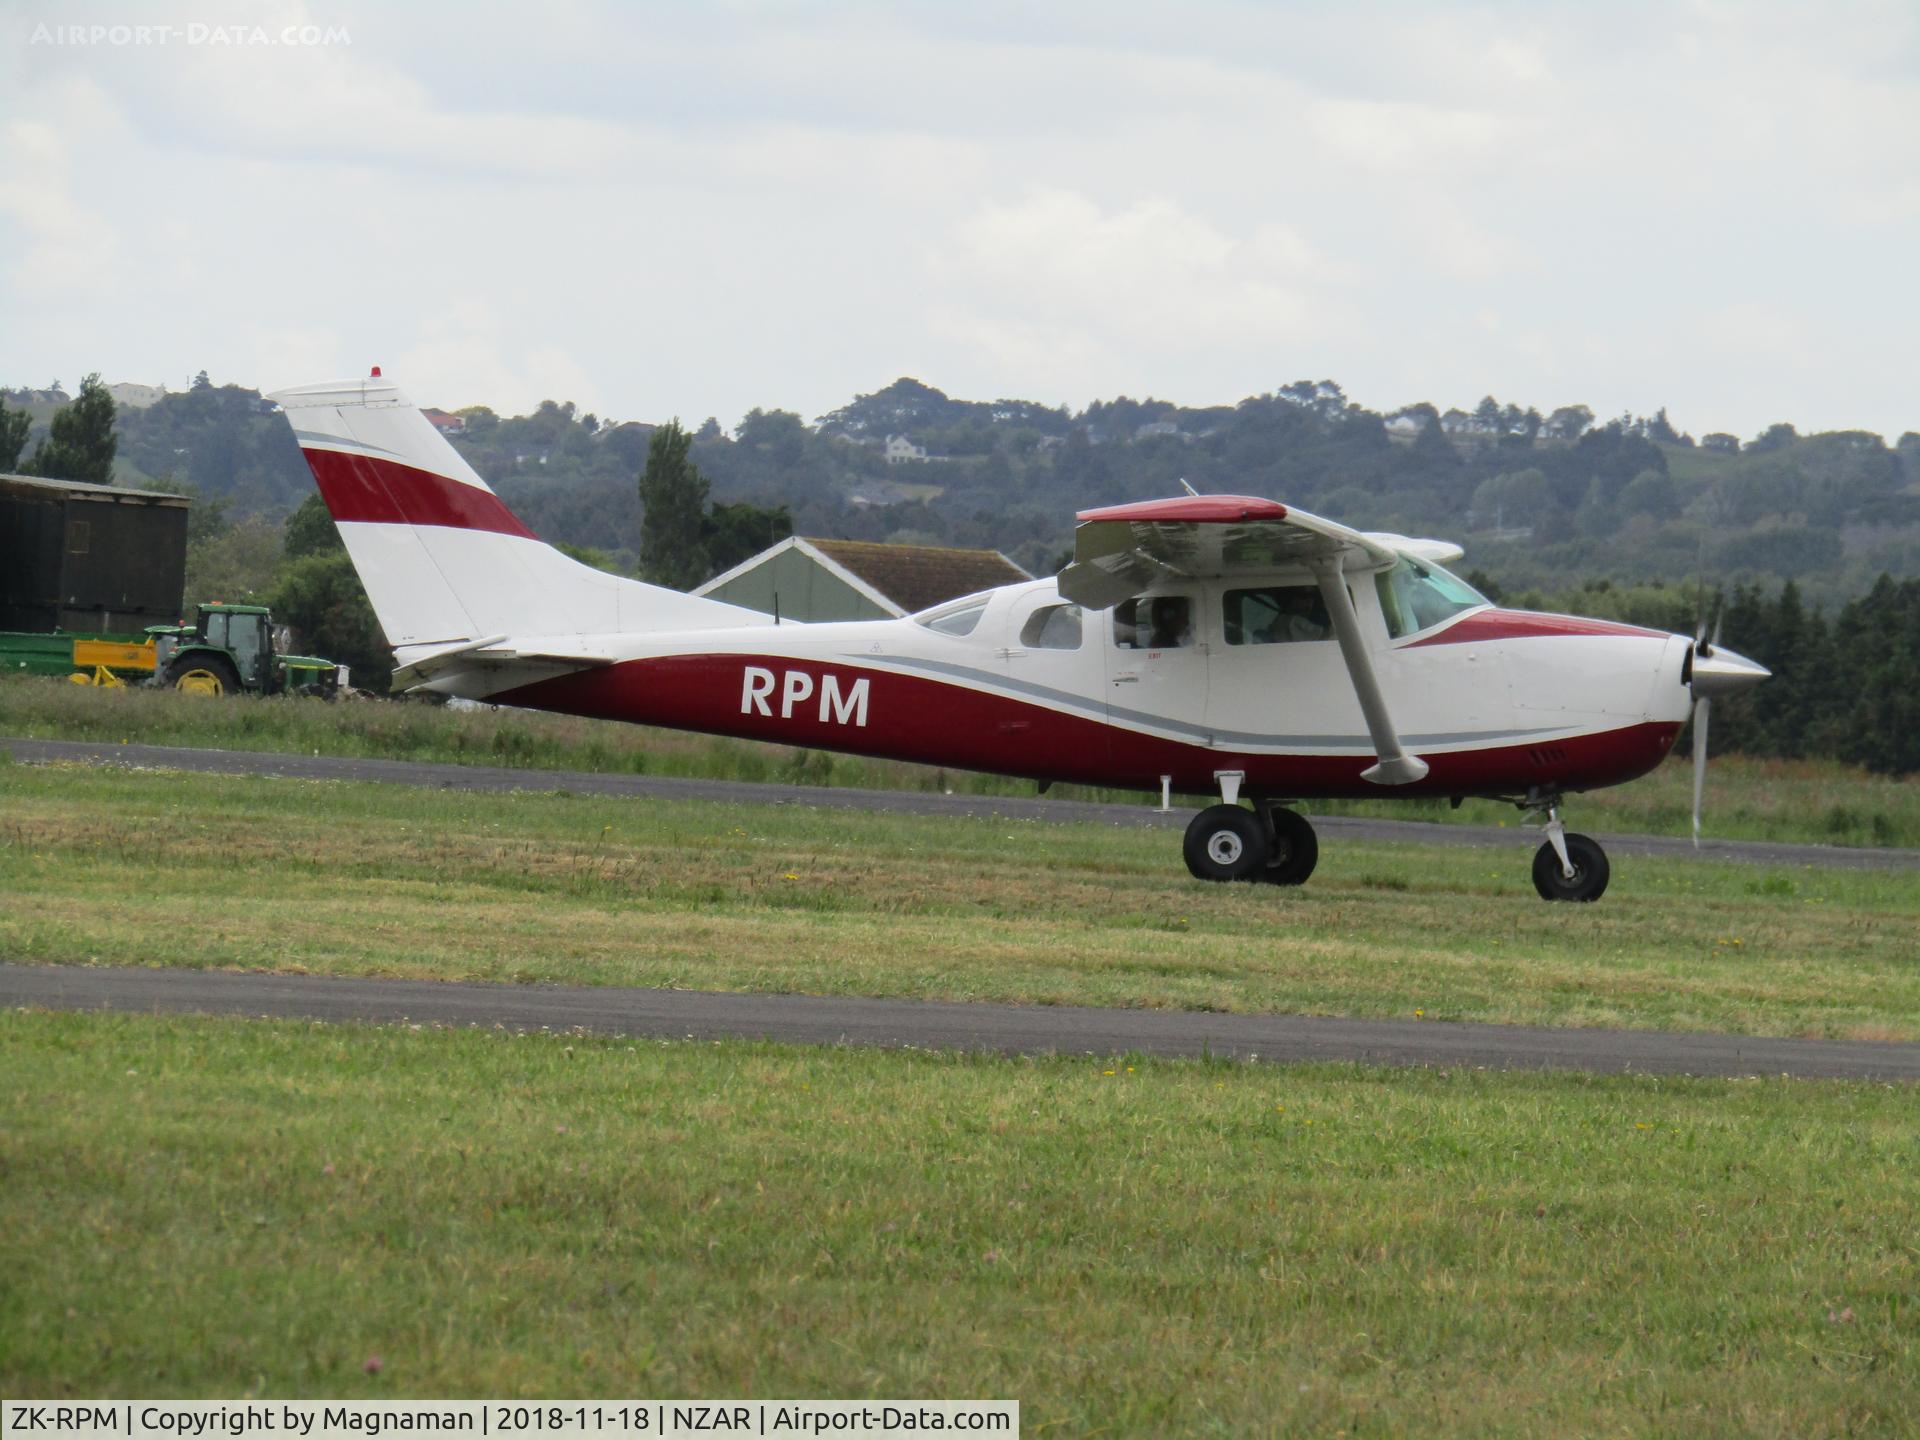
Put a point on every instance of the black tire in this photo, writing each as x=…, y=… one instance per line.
x=1226, y=842
x=1590, y=871
x=1296, y=849
x=203, y=674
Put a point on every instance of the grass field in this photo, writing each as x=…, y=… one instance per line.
x=166, y=868
x=200, y=1208
x=1813, y=801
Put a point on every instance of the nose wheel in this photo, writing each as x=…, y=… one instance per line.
x=1230, y=842
x=1568, y=866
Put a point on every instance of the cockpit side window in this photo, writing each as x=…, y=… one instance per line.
x=1052, y=627
x=1416, y=596
x=954, y=620
x=1276, y=614
x=1159, y=622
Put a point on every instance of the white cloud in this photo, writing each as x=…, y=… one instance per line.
x=658, y=210
x=64, y=248
x=1053, y=276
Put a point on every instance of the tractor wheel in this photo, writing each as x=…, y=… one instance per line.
x=202, y=675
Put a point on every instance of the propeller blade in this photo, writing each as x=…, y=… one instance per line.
x=1702, y=709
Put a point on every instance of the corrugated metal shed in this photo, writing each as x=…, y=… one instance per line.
x=93, y=559
x=813, y=579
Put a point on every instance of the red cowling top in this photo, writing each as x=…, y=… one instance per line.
x=1200, y=509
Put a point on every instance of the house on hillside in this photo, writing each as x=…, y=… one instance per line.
x=812, y=579
x=901, y=450
x=131, y=395
x=443, y=422
x=1161, y=429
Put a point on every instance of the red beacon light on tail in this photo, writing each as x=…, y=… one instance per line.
x=376, y=373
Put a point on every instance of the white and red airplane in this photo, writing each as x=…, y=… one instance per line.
x=1205, y=645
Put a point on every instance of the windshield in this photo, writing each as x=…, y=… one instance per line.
x=1415, y=596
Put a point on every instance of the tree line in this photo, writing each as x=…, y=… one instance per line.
x=1845, y=686
x=1627, y=518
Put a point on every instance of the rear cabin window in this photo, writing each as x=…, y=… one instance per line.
x=1416, y=596
x=957, y=620
x=1162, y=622
x=1052, y=627
x=1276, y=615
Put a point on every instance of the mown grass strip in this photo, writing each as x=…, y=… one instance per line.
x=174, y=869
x=1806, y=801
x=198, y=1207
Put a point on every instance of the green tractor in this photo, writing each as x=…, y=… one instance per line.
x=232, y=648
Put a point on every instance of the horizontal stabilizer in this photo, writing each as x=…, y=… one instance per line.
x=493, y=653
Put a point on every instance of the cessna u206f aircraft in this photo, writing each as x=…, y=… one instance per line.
x=1206, y=644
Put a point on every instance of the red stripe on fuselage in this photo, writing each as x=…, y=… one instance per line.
x=1522, y=624
x=935, y=722
x=370, y=490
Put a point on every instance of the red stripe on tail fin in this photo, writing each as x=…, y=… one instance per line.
x=370, y=490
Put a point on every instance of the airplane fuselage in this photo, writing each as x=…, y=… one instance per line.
x=1225, y=645
x=1508, y=701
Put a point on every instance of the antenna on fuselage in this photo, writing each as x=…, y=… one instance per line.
x=1188, y=488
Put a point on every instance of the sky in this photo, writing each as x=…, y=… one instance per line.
x=669, y=210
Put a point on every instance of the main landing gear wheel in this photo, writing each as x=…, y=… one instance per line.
x=1226, y=842
x=1296, y=849
x=1590, y=870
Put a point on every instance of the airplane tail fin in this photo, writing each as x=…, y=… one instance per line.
x=444, y=561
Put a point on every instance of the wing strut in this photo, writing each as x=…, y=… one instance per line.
x=1395, y=766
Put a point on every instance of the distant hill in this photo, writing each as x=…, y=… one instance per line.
x=1542, y=503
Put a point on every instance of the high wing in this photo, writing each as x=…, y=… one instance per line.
x=1123, y=550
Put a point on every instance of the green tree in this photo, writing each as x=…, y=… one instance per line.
x=1651, y=492
x=310, y=530
x=738, y=532
x=81, y=443
x=14, y=425
x=1569, y=422
x=321, y=597
x=673, y=492
x=589, y=555
x=1519, y=498
x=238, y=565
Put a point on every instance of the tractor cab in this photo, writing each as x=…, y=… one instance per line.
x=232, y=648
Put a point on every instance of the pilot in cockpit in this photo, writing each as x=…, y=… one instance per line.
x=1171, y=624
